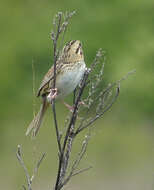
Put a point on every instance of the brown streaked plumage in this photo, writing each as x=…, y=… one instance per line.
x=70, y=68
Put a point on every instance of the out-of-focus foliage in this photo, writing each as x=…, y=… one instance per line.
x=125, y=30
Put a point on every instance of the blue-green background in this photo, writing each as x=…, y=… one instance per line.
x=121, y=149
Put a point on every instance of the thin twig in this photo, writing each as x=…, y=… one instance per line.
x=103, y=94
x=55, y=35
x=67, y=16
x=55, y=52
x=24, y=188
x=104, y=104
x=81, y=171
x=99, y=115
x=37, y=166
x=56, y=126
x=20, y=159
x=81, y=153
x=66, y=158
x=74, y=174
x=78, y=159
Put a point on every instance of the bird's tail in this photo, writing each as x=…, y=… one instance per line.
x=36, y=122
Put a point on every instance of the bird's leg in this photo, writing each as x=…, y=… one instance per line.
x=52, y=94
x=82, y=103
x=71, y=108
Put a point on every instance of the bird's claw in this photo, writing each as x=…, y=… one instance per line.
x=52, y=95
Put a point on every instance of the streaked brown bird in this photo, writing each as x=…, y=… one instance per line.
x=70, y=68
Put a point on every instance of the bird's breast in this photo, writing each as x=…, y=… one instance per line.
x=67, y=80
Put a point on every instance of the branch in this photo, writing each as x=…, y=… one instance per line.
x=66, y=158
x=37, y=166
x=60, y=27
x=104, y=97
x=54, y=37
x=69, y=132
x=81, y=171
x=99, y=115
x=21, y=161
x=73, y=118
x=76, y=163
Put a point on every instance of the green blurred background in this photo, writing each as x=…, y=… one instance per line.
x=121, y=149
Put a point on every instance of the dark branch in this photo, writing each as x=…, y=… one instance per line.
x=54, y=37
x=59, y=28
x=73, y=118
x=70, y=130
x=77, y=160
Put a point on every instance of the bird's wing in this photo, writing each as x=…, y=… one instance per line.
x=45, y=82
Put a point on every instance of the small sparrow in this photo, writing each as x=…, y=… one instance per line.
x=70, y=68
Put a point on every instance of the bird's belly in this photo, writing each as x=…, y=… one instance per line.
x=68, y=80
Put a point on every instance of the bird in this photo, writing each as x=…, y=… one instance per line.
x=70, y=68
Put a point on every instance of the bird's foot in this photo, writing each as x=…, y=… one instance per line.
x=52, y=95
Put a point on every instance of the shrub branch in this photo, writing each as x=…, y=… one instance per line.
x=97, y=102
